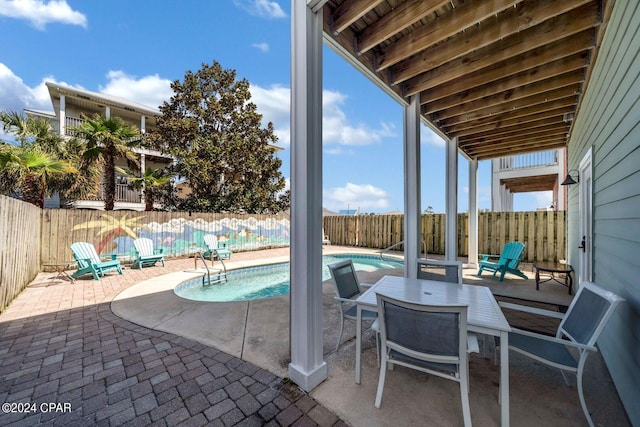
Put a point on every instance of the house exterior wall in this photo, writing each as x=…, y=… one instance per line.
x=608, y=123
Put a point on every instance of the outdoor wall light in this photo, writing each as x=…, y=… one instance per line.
x=569, y=180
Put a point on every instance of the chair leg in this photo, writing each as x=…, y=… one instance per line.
x=583, y=403
x=378, y=348
x=464, y=395
x=341, y=328
x=381, y=378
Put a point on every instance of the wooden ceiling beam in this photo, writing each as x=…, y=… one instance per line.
x=349, y=12
x=517, y=117
x=525, y=133
x=490, y=153
x=394, y=22
x=569, y=79
x=527, y=16
x=551, y=30
x=448, y=25
x=491, y=110
x=530, y=63
x=506, y=131
x=525, y=139
x=537, y=74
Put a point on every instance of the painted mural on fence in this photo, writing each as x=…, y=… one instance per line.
x=183, y=236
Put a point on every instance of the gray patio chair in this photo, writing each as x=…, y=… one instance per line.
x=444, y=271
x=347, y=288
x=429, y=338
x=578, y=331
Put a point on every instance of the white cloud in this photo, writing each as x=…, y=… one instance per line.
x=264, y=47
x=429, y=137
x=40, y=13
x=16, y=95
x=274, y=104
x=148, y=90
x=365, y=197
x=263, y=8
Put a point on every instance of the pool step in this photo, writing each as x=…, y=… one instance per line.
x=214, y=277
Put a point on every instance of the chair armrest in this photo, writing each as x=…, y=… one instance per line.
x=554, y=340
x=111, y=257
x=344, y=299
x=532, y=310
x=366, y=285
x=485, y=257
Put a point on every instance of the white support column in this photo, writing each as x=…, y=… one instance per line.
x=307, y=368
x=63, y=115
x=473, y=214
x=412, y=238
x=107, y=112
x=143, y=124
x=451, y=235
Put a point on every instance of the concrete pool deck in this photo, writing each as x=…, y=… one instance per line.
x=61, y=342
x=258, y=332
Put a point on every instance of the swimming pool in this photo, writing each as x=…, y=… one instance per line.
x=268, y=281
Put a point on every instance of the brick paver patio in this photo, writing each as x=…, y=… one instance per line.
x=61, y=344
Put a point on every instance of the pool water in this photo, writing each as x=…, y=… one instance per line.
x=268, y=281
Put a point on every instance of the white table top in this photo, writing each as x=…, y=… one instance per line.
x=483, y=312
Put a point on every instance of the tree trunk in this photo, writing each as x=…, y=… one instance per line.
x=32, y=191
x=109, y=178
x=148, y=198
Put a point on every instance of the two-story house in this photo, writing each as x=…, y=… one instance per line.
x=69, y=104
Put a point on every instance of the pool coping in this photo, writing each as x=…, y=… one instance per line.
x=251, y=330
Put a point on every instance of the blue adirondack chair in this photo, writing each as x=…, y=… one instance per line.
x=508, y=261
x=145, y=254
x=214, y=248
x=90, y=263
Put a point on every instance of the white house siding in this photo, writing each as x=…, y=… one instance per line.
x=609, y=123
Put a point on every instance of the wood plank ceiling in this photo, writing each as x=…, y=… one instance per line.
x=503, y=76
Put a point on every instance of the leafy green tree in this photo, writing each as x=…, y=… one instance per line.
x=153, y=181
x=106, y=139
x=214, y=131
x=34, y=167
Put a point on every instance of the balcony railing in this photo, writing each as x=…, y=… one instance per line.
x=531, y=160
x=70, y=122
x=123, y=194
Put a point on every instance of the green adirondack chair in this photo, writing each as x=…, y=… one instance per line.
x=90, y=263
x=145, y=254
x=215, y=248
x=508, y=261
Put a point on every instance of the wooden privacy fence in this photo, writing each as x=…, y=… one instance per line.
x=176, y=233
x=19, y=247
x=543, y=232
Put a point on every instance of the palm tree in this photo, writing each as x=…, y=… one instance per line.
x=29, y=170
x=151, y=181
x=34, y=167
x=106, y=139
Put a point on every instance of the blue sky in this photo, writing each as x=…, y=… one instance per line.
x=134, y=49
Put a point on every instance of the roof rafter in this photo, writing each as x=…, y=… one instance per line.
x=551, y=30
x=349, y=12
x=400, y=18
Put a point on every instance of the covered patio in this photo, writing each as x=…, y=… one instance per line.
x=126, y=350
x=493, y=78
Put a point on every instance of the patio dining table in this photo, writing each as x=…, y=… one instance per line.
x=484, y=316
